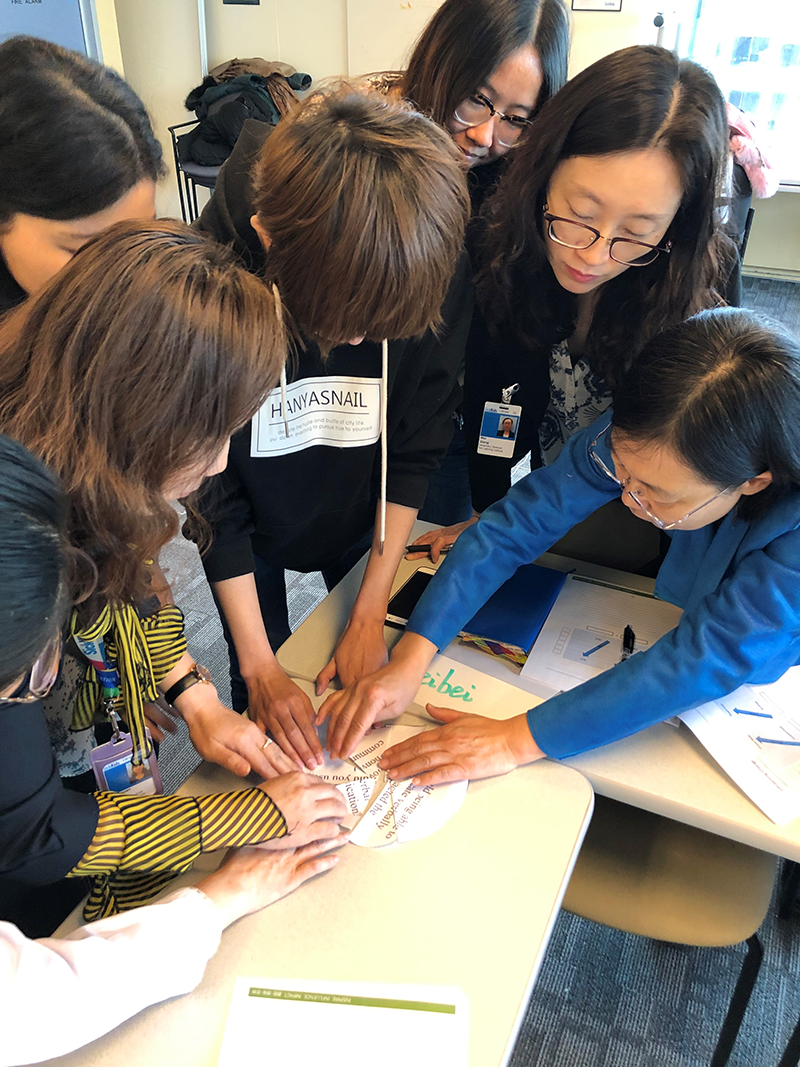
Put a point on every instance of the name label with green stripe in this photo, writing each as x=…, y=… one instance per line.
x=306, y=996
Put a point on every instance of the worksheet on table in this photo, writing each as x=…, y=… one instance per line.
x=582, y=636
x=305, y=1023
x=754, y=735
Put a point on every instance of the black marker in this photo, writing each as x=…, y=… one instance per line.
x=628, y=643
x=427, y=548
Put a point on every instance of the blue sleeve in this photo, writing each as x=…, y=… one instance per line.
x=745, y=631
x=528, y=521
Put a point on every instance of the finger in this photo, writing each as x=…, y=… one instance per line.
x=298, y=739
x=281, y=764
x=326, y=676
x=450, y=772
x=328, y=707
x=330, y=808
x=445, y=714
x=260, y=761
x=359, y=725
x=325, y=829
x=155, y=733
x=318, y=848
x=310, y=868
x=278, y=733
x=229, y=759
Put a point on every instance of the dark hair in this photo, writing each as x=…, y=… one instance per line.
x=365, y=203
x=33, y=600
x=722, y=390
x=137, y=360
x=467, y=40
x=74, y=137
x=635, y=99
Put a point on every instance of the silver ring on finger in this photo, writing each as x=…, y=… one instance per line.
x=267, y=742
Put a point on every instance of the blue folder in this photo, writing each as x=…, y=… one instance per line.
x=515, y=614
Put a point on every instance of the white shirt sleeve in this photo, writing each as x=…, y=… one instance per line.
x=151, y=953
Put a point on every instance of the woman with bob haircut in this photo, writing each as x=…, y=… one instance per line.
x=704, y=443
x=183, y=930
x=77, y=153
x=604, y=231
x=483, y=69
x=126, y=375
x=355, y=207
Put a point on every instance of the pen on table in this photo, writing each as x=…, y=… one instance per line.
x=427, y=548
x=628, y=643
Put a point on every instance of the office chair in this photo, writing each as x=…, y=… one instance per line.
x=651, y=876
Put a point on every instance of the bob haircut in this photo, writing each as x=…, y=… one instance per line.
x=33, y=588
x=74, y=137
x=365, y=204
x=636, y=99
x=722, y=390
x=467, y=40
x=135, y=362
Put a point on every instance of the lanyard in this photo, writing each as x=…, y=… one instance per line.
x=107, y=674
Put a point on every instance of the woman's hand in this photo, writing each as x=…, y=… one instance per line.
x=159, y=722
x=437, y=539
x=222, y=736
x=311, y=808
x=251, y=878
x=382, y=695
x=280, y=707
x=468, y=746
x=361, y=650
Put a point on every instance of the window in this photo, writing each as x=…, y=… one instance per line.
x=753, y=50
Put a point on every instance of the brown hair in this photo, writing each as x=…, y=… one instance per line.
x=138, y=360
x=365, y=204
x=467, y=40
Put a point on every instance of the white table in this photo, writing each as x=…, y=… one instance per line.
x=663, y=769
x=471, y=906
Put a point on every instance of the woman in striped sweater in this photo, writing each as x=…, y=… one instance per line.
x=126, y=375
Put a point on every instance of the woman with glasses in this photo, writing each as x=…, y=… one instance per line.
x=483, y=69
x=153, y=952
x=704, y=443
x=603, y=231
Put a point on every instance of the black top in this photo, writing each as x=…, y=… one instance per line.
x=497, y=362
x=306, y=508
x=11, y=293
x=44, y=829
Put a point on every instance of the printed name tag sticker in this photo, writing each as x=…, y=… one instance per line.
x=343, y=412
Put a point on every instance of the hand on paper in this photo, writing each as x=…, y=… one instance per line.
x=252, y=878
x=222, y=736
x=383, y=695
x=312, y=809
x=467, y=746
x=361, y=650
x=283, y=709
x=437, y=539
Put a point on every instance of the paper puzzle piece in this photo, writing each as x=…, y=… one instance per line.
x=357, y=796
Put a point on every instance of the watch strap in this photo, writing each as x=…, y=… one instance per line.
x=192, y=677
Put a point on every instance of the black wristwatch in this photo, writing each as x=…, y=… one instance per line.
x=198, y=673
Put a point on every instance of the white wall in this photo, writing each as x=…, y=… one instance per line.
x=774, y=245
x=160, y=47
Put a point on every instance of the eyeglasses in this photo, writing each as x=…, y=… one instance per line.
x=621, y=249
x=634, y=496
x=477, y=109
x=42, y=675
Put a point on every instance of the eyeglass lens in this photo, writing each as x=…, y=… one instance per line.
x=45, y=670
x=474, y=112
x=621, y=250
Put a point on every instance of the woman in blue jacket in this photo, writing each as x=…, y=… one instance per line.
x=703, y=442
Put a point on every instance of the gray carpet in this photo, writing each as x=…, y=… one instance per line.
x=603, y=998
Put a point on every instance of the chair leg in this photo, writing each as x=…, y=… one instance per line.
x=789, y=884
x=739, y=1001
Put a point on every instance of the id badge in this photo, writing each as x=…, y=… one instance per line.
x=115, y=773
x=499, y=428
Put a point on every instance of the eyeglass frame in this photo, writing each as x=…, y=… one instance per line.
x=634, y=496
x=516, y=121
x=50, y=659
x=550, y=219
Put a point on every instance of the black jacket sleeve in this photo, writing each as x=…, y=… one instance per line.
x=494, y=363
x=44, y=829
x=425, y=394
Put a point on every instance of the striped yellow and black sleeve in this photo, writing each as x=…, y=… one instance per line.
x=142, y=842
